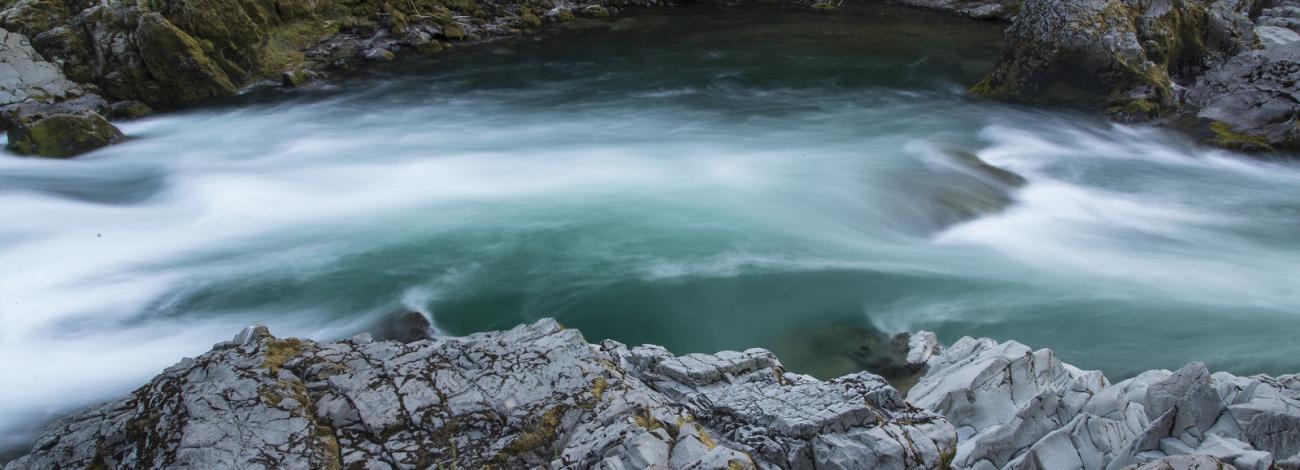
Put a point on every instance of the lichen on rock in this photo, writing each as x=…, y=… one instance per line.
x=62, y=135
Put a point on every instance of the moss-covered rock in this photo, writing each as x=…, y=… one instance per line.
x=594, y=11
x=62, y=135
x=176, y=62
x=1124, y=57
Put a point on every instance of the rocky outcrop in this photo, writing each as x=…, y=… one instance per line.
x=171, y=53
x=540, y=396
x=535, y=396
x=978, y=9
x=1138, y=59
x=1017, y=408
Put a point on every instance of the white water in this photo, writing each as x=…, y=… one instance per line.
x=722, y=208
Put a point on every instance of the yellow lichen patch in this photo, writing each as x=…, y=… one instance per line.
x=598, y=386
x=1225, y=136
x=545, y=431
x=705, y=438
x=643, y=419
x=280, y=351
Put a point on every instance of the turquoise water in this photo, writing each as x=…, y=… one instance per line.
x=700, y=179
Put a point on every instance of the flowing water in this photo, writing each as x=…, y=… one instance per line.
x=702, y=179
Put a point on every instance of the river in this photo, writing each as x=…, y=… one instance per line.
x=702, y=179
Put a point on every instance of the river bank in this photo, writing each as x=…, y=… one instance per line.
x=539, y=395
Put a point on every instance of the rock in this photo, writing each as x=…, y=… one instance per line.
x=62, y=135
x=977, y=9
x=594, y=11
x=377, y=54
x=1252, y=101
x=1143, y=60
x=921, y=347
x=1016, y=408
x=403, y=327
x=1184, y=462
x=534, y=396
x=130, y=110
x=25, y=76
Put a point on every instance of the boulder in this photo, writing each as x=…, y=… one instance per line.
x=62, y=135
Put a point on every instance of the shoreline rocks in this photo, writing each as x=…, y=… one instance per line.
x=540, y=395
x=1223, y=69
x=536, y=395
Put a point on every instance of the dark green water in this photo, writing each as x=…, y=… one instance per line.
x=700, y=179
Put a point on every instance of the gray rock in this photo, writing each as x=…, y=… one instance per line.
x=534, y=396
x=25, y=76
x=1184, y=462
x=1015, y=408
x=1252, y=99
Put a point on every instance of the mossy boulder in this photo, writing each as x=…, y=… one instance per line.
x=62, y=135
x=594, y=11
x=1125, y=57
x=176, y=62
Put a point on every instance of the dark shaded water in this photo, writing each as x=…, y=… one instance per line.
x=726, y=179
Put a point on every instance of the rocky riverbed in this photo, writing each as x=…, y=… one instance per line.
x=539, y=395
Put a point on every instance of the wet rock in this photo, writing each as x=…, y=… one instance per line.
x=534, y=396
x=377, y=54
x=129, y=110
x=62, y=135
x=25, y=76
x=978, y=9
x=593, y=11
x=403, y=327
x=1252, y=101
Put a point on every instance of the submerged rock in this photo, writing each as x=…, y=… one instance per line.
x=537, y=395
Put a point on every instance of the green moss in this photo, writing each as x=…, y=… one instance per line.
x=280, y=351
x=284, y=46
x=594, y=11
x=177, y=63
x=1226, y=136
x=453, y=31
x=530, y=21
x=63, y=135
x=542, y=433
x=32, y=17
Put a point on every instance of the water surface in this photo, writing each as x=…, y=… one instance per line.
x=700, y=179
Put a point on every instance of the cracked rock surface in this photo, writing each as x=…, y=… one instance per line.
x=1017, y=408
x=534, y=396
